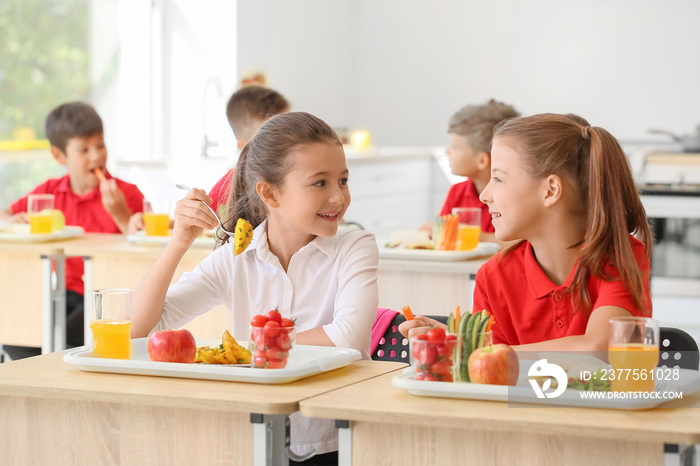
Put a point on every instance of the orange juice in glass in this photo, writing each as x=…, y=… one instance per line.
x=40, y=212
x=469, y=227
x=156, y=216
x=110, y=322
x=633, y=352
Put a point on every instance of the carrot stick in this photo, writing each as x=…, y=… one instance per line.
x=457, y=316
x=99, y=174
x=407, y=312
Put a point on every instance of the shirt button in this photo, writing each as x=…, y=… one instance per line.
x=288, y=287
x=559, y=323
x=557, y=297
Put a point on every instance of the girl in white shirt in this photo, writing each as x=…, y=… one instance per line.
x=291, y=183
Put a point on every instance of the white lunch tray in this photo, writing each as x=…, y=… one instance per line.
x=140, y=237
x=26, y=237
x=304, y=361
x=688, y=384
x=481, y=250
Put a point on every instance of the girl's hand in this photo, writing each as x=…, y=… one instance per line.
x=191, y=217
x=420, y=324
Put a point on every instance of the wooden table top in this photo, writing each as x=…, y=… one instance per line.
x=48, y=376
x=677, y=422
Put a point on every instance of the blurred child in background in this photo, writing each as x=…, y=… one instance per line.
x=470, y=131
x=103, y=205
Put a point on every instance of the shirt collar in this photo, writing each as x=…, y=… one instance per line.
x=64, y=184
x=540, y=284
x=260, y=246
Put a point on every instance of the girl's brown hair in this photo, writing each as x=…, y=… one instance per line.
x=266, y=158
x=591, y=159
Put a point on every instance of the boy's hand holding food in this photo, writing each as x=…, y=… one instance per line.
x=192, y=216
x=114, y=202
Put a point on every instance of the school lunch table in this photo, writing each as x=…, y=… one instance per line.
x=28, y=299
x=53, y=413
x=387, y=425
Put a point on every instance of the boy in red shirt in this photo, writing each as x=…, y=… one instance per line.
x=76, y=135
x=470, y=130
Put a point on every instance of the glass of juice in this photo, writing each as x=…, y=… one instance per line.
x=156, y=216
x=110, y=322
x=633, y=351
x=40, y=211
x=469, y=227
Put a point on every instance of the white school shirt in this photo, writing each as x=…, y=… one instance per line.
x=330, y=282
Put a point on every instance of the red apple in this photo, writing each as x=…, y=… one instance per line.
x=493, y=364
x=172, y=346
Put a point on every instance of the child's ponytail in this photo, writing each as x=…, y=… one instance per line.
x=614, y=210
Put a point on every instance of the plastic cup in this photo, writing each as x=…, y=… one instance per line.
x=40, y=211
x=110, y=322
x=469, y=227
x=633, y=352
x=156, y=216
x=434, y=359
x=269, y=346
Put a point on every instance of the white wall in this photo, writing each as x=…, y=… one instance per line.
x=400, y=68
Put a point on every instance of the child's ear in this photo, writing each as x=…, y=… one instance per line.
x=483, y=161
x=58, y=154
x=268, y=194
x=553, y=190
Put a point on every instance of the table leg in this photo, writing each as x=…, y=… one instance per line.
x=59, y=304
x=87, y=286
x=344, y=442
x=270, y=439
x=47, y=322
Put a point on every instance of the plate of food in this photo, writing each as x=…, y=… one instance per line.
x=418, y=253
x=304, y=361
x=206, y=240
x=19, y=233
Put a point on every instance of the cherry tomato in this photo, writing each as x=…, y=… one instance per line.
x=275, y=353
x=283, y=340
x=286, y=322
x=421, y=336
x=274, y=316
x=443, y=349
x=428, y=355
x=260, y=362
x=272, y=329
x=436, y=335
x=258, y=321
x=276, y=363
x=442, y=367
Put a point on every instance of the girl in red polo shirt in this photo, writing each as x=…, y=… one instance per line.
x=565, y=190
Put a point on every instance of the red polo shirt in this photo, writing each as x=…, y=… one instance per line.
x=85, y=211
x=464, y=195
x=529, y=307
x=221, y=191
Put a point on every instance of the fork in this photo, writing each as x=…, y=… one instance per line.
x=221, y=225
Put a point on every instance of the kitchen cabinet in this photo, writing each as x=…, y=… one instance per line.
x=394, y=189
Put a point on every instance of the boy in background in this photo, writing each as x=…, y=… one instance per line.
x=247, y=109
x=101, y=205
x=470, y=131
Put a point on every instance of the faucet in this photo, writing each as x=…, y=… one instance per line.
x=206, y=142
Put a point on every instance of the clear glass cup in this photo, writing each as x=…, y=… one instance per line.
x=434, y=356
x=156, y=216
x=633, y=352
x=40, y=211
x=110, y=322
x=469, y=227
x=269, y=346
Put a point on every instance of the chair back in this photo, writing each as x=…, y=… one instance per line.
x=678, y=348
x=393, y=346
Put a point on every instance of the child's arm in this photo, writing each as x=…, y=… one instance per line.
x=191, y=216
x=316, y=336
x=595, y=338
x=114, y=202
x=8, y=216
